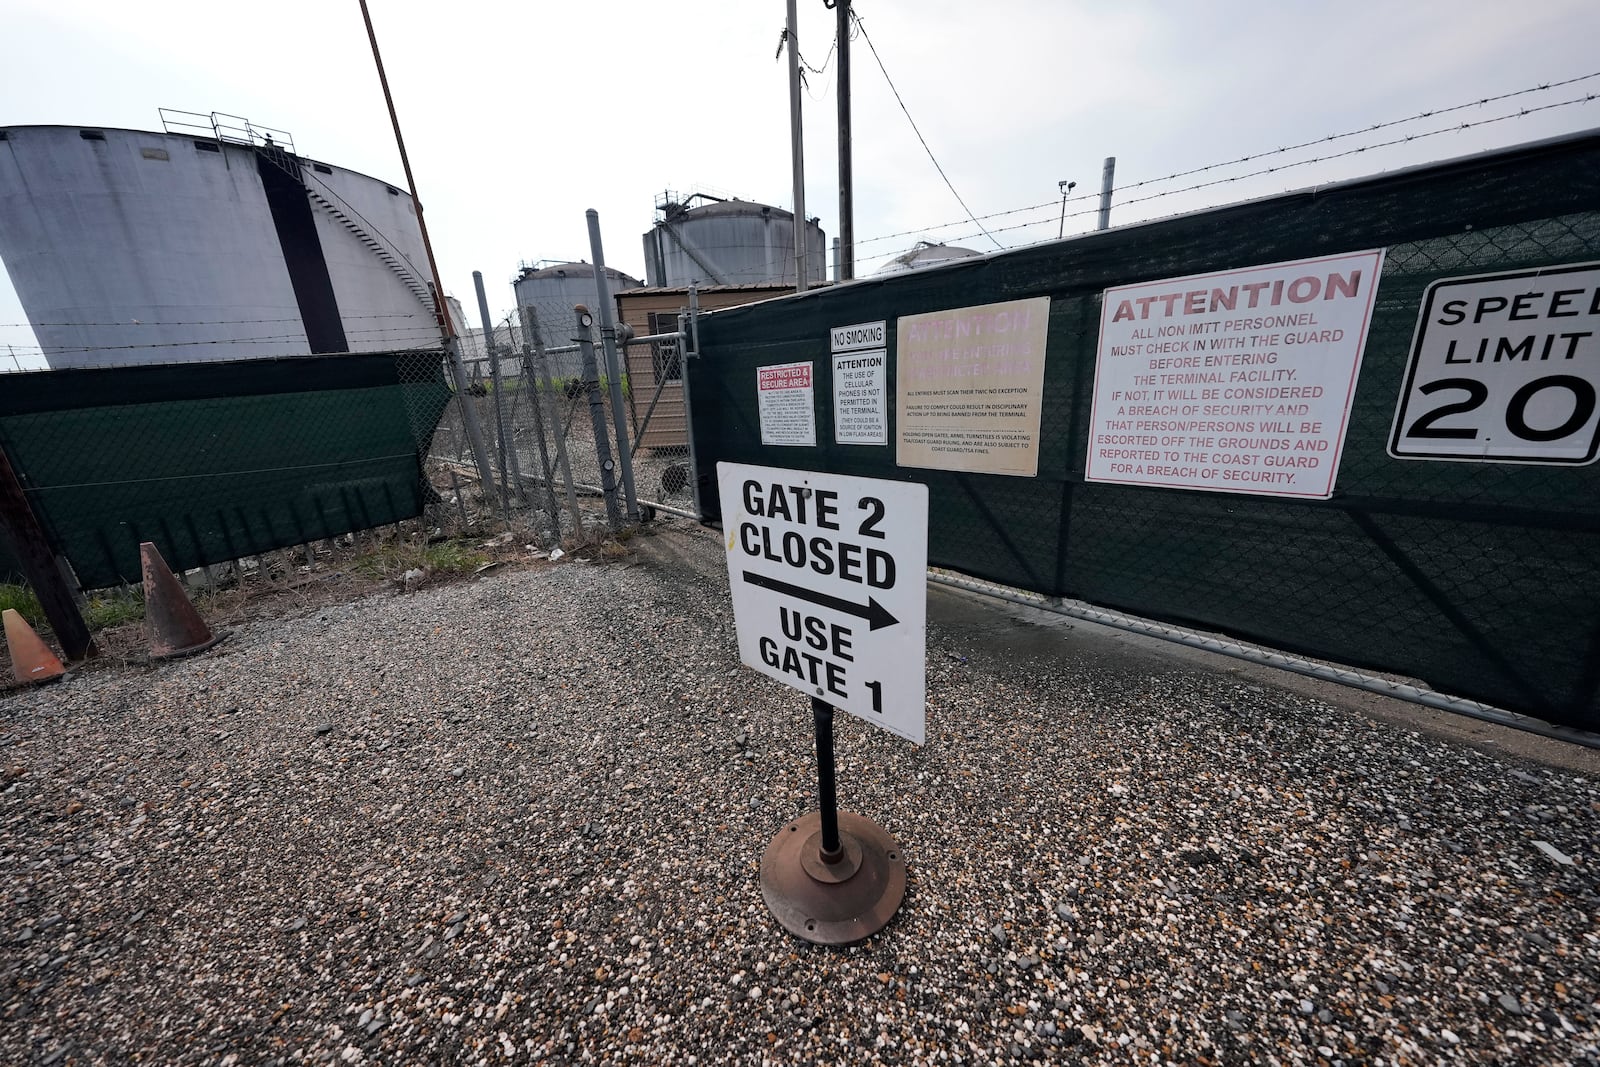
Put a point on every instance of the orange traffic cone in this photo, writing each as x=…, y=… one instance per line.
x=31, y=658
x=176, y=629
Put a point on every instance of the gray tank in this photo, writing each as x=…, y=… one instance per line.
x=553, y=290
x=727, y=242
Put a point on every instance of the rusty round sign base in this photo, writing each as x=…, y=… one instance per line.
x=833, y=903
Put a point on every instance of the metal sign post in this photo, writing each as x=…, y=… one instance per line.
x=829, y=597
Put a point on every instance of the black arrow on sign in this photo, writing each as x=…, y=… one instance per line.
x=875, y=613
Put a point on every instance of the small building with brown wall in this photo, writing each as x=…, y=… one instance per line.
x=658, y=365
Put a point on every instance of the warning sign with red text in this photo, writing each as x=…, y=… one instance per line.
x=785, y=399
x=1236, y=382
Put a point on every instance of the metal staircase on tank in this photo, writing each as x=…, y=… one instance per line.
x=278, y=146
x=378, y=248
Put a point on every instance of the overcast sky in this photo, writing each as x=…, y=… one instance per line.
x=520, y=115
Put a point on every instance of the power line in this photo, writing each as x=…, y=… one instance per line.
x=874, y=49
x=1056, y=203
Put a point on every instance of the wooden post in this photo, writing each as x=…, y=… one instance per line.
x=28, y=541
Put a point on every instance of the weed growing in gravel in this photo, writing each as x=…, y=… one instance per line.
x=108, y=607
x=113, y=607
x=20, y=598
x=396, y=558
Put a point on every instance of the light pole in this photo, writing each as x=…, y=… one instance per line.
x=1065, y=187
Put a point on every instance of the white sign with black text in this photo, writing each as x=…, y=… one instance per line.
x=829, y=583
x=1505, y=368
x=860, y=384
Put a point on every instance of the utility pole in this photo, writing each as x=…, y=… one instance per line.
x=796, y=153
x=846, y=268
x=441, y=307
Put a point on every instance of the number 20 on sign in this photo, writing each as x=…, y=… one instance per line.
x=828, y=576
x=1505, y=368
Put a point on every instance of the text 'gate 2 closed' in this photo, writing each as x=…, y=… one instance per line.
x=828, y=575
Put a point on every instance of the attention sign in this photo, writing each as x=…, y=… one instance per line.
x=1237, y=382
x=829, y=583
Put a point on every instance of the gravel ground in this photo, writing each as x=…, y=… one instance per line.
x=520, y=820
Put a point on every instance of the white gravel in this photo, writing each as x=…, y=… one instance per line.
x=520, y=820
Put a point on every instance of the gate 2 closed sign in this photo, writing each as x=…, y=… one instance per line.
x=829, y=583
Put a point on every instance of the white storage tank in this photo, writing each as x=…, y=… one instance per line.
x=727, y=242
x=926, y=254
x=128, y=246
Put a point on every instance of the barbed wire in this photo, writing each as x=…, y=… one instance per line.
x=856, y=19
x=1300, y=163
x=219, y=322
x=1055, y=203
x=281, y=338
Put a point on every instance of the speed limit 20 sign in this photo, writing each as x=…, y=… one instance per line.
x=1505, y=368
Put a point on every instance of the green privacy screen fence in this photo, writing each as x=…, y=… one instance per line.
x=215, y=461
x=1476, y=578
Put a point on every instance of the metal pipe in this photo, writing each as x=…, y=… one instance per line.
x=530, y=380
x=691, y=330
x=827, y=797
x=1354, y=679
x=597, y=418
x=608, y=341
x=1106, y=179
x=557, y=429
x=494, y=382
x=796, y=154
x=674, y=335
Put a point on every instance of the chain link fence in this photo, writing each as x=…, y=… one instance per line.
x=218, y=461
x=1475, y=578
x=548, y=414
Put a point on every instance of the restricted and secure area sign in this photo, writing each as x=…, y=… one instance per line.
x=1505, y=368
x=829, y=582
x=830, y=598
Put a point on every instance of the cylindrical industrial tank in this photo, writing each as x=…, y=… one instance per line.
x=926, y=254
x=128, y=246
x=553, y=291
x=728, y=242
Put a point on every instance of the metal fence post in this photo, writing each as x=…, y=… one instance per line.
x=691, y=350
x=530, y=381
x=513, y=464
x=597, y=417
x=495, y=384
x=608, y=339
x=547, y=390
